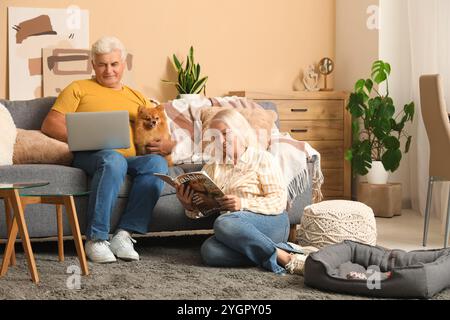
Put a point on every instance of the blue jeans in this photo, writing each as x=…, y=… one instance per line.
x=108, y=170
x=245, y=238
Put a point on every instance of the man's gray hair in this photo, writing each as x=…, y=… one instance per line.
x=106, y=45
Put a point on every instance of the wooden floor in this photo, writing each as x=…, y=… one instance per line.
x=406, y=231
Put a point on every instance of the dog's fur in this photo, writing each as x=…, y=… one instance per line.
x=151, y=125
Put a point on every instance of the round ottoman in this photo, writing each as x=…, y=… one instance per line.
x=334, y=221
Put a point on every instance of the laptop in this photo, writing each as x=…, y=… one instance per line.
x=88, y=131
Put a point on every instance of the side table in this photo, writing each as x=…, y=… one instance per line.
x=60, y=200
x=10, y=193
x=384, y=199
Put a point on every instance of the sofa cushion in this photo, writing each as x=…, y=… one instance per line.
x=7, y=137
x=62, y=179
x=31, y=113
x=33, y=147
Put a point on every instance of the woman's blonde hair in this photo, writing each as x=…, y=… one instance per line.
x=238, y=125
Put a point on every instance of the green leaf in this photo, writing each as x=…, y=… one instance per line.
x=180, y=89
x=391, y=142
x=369, y=85
x=389, y=112
x=195, y=72
x=355, y=129
x=176, y=63
x=391, y=159
x=379, y=133
x=189, y=84
x=354, y=105
x=408, y=144
x=169, y=82
x=361, y=163
x=188, y=66
x=191, y=54
x=385, y=125
x=359, y=86
x=198, y=86
x=409, y=110
x=366, y=147
x=380, y=71
x=387, y=68
x=348, y=155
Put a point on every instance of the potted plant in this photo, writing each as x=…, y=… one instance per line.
x=189, y=83
x=376, y=129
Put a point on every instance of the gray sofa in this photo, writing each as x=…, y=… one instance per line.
x=168, y=214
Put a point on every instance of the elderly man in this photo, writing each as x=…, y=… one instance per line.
x=108, y=168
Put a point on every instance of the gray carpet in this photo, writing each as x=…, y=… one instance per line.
x=170, y=268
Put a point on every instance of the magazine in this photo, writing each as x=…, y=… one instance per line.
x=204, y=187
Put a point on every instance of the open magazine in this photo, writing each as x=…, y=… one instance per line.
x=204, y=188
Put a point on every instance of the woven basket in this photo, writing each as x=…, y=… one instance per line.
x=334, y=221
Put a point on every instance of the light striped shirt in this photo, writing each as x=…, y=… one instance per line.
x=256, y=179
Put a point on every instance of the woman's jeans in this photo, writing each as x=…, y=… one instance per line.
x=245, y=238
x=108, y=170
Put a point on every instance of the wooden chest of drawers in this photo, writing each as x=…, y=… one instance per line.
x=319, y=118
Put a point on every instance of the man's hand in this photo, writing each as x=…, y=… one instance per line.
x=230, y=202
x=161, y=147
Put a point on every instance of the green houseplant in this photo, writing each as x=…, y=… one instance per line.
x=189, y=80
x=376, y=128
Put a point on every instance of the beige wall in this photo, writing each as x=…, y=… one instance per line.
x=356, y=45
x=251, y=44
x=356, y=48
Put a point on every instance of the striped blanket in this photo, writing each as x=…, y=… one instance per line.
x=292, y=155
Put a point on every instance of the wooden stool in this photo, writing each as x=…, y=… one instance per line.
x=384, y=199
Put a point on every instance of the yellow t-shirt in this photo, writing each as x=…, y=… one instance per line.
x=90, y=96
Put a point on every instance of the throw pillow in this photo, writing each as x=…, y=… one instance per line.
x=32, y=146
x=8, y=135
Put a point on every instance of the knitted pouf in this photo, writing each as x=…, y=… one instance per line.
x=334, y=221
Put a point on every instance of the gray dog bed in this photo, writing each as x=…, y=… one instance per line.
x=355, y=268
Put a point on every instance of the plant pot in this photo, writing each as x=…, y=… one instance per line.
x=377, y=174
x=190, y=97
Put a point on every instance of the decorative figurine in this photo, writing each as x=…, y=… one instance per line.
x=311, y=79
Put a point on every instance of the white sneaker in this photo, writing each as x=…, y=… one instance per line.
x=297, y=264
x=122, y=246
x=98, y=251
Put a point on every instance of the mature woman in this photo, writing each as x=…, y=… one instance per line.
x=255, y=227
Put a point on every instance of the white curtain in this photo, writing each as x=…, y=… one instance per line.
x=429, y=32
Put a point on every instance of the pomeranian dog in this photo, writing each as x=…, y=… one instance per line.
x=151, y=125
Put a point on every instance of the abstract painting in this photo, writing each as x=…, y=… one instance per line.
x=32, y=29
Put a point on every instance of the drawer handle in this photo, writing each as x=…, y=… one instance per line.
x=299, y=130
x=299, y=110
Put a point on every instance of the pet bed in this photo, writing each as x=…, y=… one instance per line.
x=356, y=268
